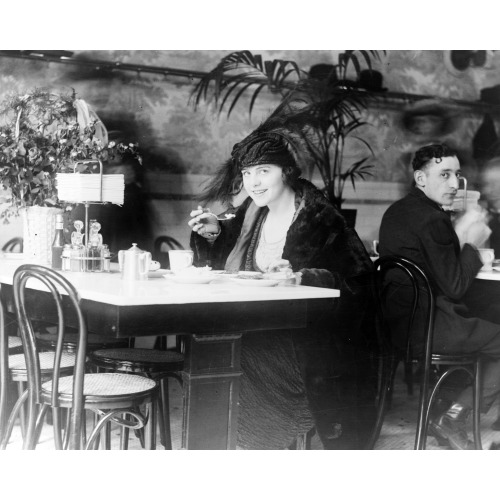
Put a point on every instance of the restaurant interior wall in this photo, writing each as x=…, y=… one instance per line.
x=183, y=147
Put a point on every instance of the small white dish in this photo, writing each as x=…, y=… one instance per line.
x=255, y=282
x=190, y=279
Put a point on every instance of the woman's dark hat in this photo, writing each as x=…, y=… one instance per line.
x=260, y=149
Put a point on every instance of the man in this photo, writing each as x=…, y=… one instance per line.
x=417, y=227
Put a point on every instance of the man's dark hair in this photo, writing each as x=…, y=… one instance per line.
x=427, y=153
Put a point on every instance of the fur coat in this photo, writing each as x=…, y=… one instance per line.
x=291, y=383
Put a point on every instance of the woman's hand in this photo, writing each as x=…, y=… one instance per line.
x=279, y=265
x=204, y=223
x=284, y=266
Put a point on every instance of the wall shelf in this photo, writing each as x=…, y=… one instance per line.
x=385, y=99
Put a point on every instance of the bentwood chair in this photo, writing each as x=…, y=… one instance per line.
x=423, y=300
x=159, y=365
x=111, y=396
x=13, y=369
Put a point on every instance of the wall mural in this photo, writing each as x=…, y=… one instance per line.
x=154, y=110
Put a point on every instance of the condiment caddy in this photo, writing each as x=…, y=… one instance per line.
x=92, y=256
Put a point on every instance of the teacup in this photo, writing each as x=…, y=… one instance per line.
x=180, y=259
x=487, y=256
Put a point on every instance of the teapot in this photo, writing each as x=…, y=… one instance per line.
x=134, y=263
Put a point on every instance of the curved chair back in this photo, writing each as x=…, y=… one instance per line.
x=13, y=244
x=420, y=282
x=420, y=285
x=162, y=256
x=66, y=301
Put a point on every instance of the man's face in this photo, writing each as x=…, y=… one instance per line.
x=439, y=180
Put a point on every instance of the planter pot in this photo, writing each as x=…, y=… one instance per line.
x=350, y=216
x=39, y=227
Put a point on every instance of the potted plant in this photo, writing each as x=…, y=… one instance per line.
x=41, y=134
x=331, y=115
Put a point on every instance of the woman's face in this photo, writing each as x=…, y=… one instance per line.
x=264, y=183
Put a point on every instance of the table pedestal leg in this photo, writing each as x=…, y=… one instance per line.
x=211, y=391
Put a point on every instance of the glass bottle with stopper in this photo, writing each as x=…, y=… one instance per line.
x=94, y=248
x=58, y=243
x=77, y=247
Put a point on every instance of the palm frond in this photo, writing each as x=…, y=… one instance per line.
x=315, y=115
x=251, y=71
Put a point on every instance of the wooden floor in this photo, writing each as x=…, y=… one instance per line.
x=398, y=432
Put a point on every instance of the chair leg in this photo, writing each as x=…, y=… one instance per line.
x=40, y=421
x=423, y=410
x=150, y=427
x=12, y=419
x=22, y=410
x=107, y=436
x=124, y=436
x=67, y=417
x=164, y=406
x=476, y=410
x=388, y=368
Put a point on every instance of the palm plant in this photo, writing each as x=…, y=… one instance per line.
x=331, y=115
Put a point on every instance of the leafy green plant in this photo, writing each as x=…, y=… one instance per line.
x=41, y=136
x=331, y=115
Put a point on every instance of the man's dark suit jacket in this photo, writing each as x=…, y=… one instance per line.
x=417, y=228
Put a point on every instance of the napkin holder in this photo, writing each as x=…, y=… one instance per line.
x=87, y=188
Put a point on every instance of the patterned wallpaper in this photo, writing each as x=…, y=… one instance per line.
x=154, y=110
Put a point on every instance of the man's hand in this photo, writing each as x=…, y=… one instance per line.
x=472, y=228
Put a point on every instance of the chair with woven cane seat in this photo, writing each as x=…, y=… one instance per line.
x=153, y=363
x=112, y=396
x=13, y=369
x=390, y=355
x=47, y=341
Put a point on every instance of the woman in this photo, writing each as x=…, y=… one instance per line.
x=292, y=382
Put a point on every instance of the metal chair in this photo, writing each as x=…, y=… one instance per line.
x=153, y=363
x=390, y=355
x=112, y=396
x=13, y=369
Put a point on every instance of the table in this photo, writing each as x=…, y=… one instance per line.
x=213, y=318
x=488, y=275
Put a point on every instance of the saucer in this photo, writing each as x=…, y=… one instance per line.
x=254, y=282
x=190, y=279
